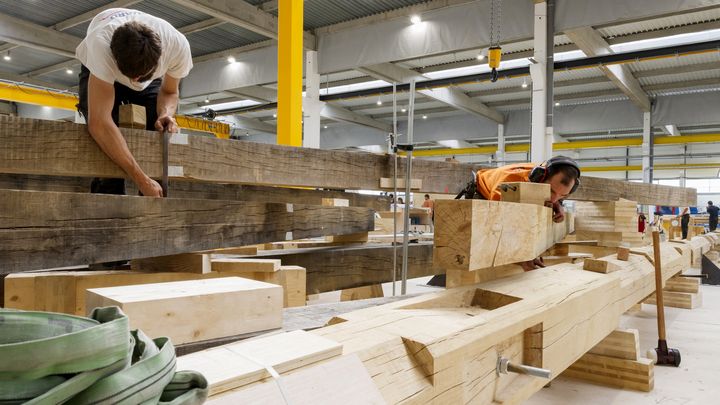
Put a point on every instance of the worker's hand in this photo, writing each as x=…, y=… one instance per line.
x=166, y=123
x=150, y=188
x=532, y=264
x=558, y=212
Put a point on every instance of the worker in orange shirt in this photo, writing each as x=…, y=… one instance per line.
x=561, y=172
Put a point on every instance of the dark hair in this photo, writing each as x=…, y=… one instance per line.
x=427, y=195
x=709, y=202
x=570, y=173
x=136, y=49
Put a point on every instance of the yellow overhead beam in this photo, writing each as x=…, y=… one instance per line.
x=218, y=129
x=290, y=72
x=31, y=95
x=666, y=166
x=561, y=146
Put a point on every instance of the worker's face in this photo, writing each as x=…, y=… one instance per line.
x=558, y=190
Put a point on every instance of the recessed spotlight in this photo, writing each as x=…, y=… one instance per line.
x=415, y=19
x=424, y=117
x=69, y=71
x=379, y=102
x=231, y=59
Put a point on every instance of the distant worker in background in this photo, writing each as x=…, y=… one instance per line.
x=642, y=221
x=560, y=172
x=430, y=204
x=713, y=213
x=684, y=220
x=129, y=56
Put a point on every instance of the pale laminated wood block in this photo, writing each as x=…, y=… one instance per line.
x=184, y=263
x=132, y=116
x=244, y=250
x=362, y=293
x=196, y=310
x=632, y=374
x=683, y=284
x=387, y=183
x=19, y=291
x=241, y=363
x=227, y=264
x=676, y=299
x=529, y=193
x=621, y=344
x=600, y=266
x=459, y=278
x=335, y=202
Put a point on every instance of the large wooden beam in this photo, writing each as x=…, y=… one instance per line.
x=444, y=347
x=211, y=191
x=65, y=149
x=338, y=268
x=47, y=229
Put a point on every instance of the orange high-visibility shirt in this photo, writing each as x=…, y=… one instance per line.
x=489, y=180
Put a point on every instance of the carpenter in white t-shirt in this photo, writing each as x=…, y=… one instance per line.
x=94, y=51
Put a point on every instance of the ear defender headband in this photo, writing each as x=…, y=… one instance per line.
x=539, y=173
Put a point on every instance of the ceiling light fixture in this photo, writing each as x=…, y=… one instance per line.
x=324, y=126
x=7, y=56
x=480, y=57
x=231, y=59
x=557, y=104
x=379, y=102
x=524, y=84
x=424, y=117
x=403, y=109
x=415, y=19
x=274, y=115
x=69, y=71
x=207, y=99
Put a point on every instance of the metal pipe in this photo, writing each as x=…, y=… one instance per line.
x=408, y=178
x=395, y=163
x=504, y=366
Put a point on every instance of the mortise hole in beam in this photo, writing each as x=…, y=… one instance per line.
x=469, y=302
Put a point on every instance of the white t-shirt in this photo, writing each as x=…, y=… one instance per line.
x=94, y=51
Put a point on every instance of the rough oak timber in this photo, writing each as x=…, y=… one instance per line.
x=43, y=230
x=65, y=149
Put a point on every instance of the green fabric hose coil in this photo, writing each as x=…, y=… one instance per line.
x=50, y=358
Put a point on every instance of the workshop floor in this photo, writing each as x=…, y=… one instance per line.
x=696, y=333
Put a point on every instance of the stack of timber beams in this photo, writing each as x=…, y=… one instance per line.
x=612, y=224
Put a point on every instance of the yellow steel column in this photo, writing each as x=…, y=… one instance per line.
x=290, y=70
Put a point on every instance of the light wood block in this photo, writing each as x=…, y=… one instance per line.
x=132, y=116
x=387, y=183
x=683, y=284
x=362, y=293
x=184, y=263
x=244, y=250
x=620, y=344
x=335, y=202
x=291, y=278
x=623, y=253
x=196, y=310
x=360, y=237
x=479, y=234
x=676, y=299
x=343, y=380
x=631, y=374
x=253, y=265
x=600, y=266
x=528, y=193
x=241, y=363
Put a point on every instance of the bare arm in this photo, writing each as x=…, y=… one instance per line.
x=101, y=96
x=167, y=104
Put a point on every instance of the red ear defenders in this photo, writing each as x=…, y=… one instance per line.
x=539, y=173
